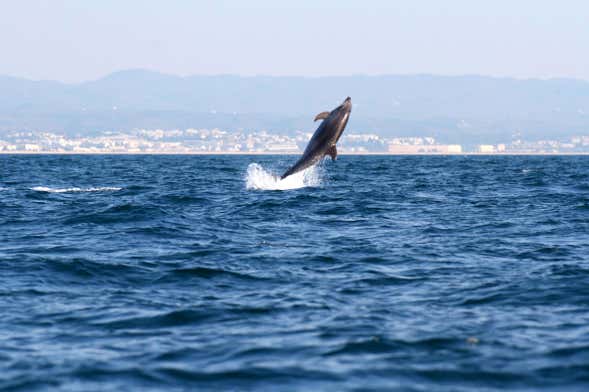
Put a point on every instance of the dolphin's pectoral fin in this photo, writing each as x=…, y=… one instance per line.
x=332, y=152
x=322, y=116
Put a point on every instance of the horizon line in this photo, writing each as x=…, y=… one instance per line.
x=263, y=153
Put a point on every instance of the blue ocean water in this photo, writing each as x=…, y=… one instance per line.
x=418, y=273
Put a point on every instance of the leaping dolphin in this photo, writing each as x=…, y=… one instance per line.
x=325, y=137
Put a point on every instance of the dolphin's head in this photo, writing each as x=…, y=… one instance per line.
x=339, y=117
x=347, y=105
x=342, y=112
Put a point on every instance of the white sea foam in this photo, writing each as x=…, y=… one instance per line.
x=75, y=189
x=258, y=178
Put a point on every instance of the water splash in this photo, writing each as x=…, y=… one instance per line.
x=258, y=178
x=75, y=189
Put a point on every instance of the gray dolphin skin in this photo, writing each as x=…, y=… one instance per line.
x=325, y=137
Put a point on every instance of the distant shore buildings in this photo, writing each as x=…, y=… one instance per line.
x=419, y=145
x=211, y=141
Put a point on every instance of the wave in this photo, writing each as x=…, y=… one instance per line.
x=258, y=178
x=75, y=189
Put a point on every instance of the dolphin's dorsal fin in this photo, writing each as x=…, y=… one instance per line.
x=322, y=116
x=332, y=152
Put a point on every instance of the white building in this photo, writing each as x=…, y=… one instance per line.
x=486, y=148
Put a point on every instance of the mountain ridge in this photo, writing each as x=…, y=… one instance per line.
x=452, y=108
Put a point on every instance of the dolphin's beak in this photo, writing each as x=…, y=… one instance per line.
x=348, y=104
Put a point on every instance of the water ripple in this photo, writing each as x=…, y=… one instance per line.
x=417, y=273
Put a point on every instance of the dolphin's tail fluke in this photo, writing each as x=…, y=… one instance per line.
x=288, y=173
x=301, y=165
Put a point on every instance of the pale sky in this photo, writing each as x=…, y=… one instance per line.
x=81, y=40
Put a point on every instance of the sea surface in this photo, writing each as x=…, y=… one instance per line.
x=416, y=273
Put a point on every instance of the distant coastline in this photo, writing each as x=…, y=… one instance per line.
x=293, y=154
x=215, y=141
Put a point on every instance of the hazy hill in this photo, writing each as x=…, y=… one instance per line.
x=462, y=108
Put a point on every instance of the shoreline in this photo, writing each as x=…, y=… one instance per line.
x=245, y=153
